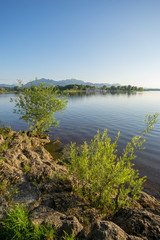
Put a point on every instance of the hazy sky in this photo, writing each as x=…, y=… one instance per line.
x=112, y=41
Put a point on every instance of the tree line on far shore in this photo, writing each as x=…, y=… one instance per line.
x=82, y=88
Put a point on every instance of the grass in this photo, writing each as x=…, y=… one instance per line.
x=18, y=226
x=26, y=168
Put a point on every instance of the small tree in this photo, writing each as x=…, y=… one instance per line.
x=37, y=105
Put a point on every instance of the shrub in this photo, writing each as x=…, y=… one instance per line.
x=109, y=181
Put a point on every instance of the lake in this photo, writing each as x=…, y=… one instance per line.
x=86, y=114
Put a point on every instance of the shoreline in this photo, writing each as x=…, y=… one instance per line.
x=31, y=177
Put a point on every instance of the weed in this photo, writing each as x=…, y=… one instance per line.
x=26, y=169
x=68, y=236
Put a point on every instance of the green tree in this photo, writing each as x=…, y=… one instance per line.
x=140, y=89
x=2, y=90
x=37, y=105
x=129, y=88
x=113, y=88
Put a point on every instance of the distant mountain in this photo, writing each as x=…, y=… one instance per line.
x=67, y=82
x=60, y=83
x=7, y=85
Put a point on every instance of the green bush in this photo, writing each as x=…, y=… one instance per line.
x=109, y=181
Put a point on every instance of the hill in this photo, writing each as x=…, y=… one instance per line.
x=60, y=83
x=67, y=82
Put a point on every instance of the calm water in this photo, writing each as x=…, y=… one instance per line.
x=119, y=112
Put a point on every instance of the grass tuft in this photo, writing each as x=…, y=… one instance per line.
x=17, y=226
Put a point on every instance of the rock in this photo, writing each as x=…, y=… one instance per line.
x=43, y=153
x=40, y=167
x=149, y=202
x=20, y=140
x=27, y=193
x=46, y=215
x=40, y=171
x=139, y=222
x=106, y=230
x=11, y=157
x=10, y=174
x=38, y=141
x=56, y=185
x=1, y=139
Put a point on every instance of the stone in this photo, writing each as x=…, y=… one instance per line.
x=10, y=174
x=139, y=222
x=149, y=202
x=56, y=185
x=107, y=230
x=27, y=193
x=11, y=157
x=45, y=215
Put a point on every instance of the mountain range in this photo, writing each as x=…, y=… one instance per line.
x=60, y=83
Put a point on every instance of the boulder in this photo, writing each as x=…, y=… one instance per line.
x=27, y=193
x=106, y=230
x=139, y=222
x=40, y=171
x=46, y=215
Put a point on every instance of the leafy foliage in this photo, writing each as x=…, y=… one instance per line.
x=37, y=105
x=109, y=181
x=18, y=226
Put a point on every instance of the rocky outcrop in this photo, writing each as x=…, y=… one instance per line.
x=30, y=176
x=24, y=159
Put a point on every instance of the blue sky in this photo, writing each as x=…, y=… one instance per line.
x=110, y=41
